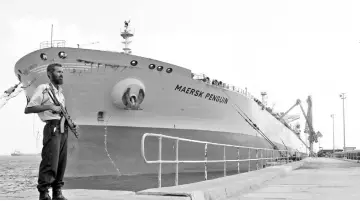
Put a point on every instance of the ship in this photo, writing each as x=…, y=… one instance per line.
x=16, y=153
x=117, y=97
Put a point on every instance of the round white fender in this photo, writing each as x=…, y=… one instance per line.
x=128, y=93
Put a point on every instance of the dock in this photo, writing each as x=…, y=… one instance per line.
x=317, y=179
x=310, y=178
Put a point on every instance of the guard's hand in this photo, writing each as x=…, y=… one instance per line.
x=55, y=108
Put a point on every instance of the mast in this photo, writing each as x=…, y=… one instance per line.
x=126, y=34
x=51, y=35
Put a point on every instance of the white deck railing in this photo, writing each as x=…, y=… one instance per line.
x=265, y=155
x=53, y=43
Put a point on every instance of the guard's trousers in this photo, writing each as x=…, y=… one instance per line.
x=53, y=157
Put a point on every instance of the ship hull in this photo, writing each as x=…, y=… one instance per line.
x=89, y=155
x=111, y=155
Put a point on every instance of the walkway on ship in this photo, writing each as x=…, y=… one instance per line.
x=319, y=178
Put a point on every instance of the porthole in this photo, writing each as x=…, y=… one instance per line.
x=151, y=66
x=62, y=55
x=133, y=62
x=160, y=68
x=43, y=56
x=169, y=70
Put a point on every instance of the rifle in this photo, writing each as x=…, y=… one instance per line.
x=64, y=113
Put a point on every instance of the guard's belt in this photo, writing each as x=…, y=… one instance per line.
x=60, y=122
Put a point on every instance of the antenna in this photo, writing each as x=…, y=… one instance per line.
x=51, y=35
x=126, y=34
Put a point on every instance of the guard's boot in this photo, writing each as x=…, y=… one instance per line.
x=44, y=195
x=57, y=195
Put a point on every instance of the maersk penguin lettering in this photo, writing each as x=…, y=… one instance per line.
x=199, y=93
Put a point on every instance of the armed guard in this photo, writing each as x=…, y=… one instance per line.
x=55, y=133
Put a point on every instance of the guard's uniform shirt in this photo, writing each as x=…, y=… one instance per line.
x=41, y=97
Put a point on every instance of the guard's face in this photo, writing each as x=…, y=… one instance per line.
x=57, y=75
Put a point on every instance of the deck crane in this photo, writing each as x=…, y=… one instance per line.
x=313, y=137
x=291, y=118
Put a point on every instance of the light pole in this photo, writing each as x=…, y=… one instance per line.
x=342, y=96
x=332, y=116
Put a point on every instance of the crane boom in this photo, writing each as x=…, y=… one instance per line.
x=312, y=135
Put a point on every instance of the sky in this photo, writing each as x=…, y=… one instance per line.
x=290, y=49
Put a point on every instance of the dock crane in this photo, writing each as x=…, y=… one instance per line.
x=291, y=118
x=313, y=137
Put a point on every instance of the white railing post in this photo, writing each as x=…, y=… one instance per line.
x=177, y=163
x=160, y=160
x=238, y=165
x=287, y=157
x=257, y=159
x=206, y=161
x=224, y=161
x=280, y=157
x=249, y=160
x=266, y=157
x=261, y=160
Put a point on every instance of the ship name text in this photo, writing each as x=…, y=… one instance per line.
x=200, y=94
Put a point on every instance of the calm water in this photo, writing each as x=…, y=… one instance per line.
x=19, y=173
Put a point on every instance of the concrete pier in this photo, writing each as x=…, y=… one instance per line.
x=320, y=178
x=311, y=178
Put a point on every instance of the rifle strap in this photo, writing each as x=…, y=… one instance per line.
x=62, y=124
x=53, y=97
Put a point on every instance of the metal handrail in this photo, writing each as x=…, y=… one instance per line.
x=53, y=43
x=177, y=161
x=228, y=87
